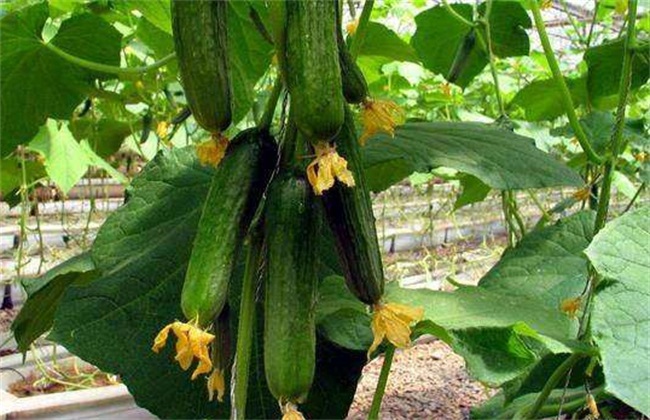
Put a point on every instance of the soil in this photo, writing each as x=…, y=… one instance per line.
x=6, y=318
x=427, y=381
x=74, y=378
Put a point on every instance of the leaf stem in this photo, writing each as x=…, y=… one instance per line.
x=105, y=68
x=381, y=383
x=456, y=15
x=636, y=195
x=267, y=117
x=246, y=324
x=556, y=376
x=488, y=46
x=565, y=95
x=617, y=134
x=362, y=27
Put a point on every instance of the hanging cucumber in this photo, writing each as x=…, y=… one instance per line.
x=311, y=69
x=355, y=88
x=289, y=306
x=236, y=189
x=348, y=212
x=200, y=39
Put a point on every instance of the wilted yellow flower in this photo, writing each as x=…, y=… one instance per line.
x=211, y=151
x=641, y=157
x=161, y=129
x=216, y=382
x=192, y=342
x=546, y=4
x=393, y=321
x=327, y=167
x=351, y=27
x=593, y=407
x=620, y=7
x=571, y=306
x=582, y=194
x=290, y=412
x=380, y=116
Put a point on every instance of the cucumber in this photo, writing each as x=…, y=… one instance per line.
x=355, y=88
x=311, y=68
x=289, y=306
x=348, y=212
x=235, y=191
x=200, y=40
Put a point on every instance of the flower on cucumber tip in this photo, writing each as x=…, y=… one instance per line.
x=290, y=412
x=211, y=151
x=393, y=321
x=216, y=383
x=191, y=343
x=326, y=168
x=380, y=116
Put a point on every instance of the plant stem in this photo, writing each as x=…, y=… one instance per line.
x=456, y=15
x=269, y=111
x=617, y=134
x=360, y=33
x=636, y=195
x=572, y=21
x=565, y=95
x=105, y=68
x=381, y=383
x=246, y=324
x=493, y=69
x=551, y=383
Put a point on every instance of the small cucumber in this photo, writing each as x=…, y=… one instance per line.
x=311, y=68
x=348, y=212
x=236, y=189
x=355, y=88
x=200, y=39
x=291, y=229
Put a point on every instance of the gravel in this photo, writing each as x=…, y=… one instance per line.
x=427, y=381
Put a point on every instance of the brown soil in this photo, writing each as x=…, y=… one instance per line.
x=6, y=318
x=67, y=378
x=427, y=381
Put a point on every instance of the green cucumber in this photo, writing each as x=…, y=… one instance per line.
x=311, y=69
x=355, y=88
x=348, y=212
x=291, y=229
x=235, y=192
x=200, y=39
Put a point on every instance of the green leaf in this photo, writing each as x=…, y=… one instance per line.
x=11, y=174
x=158, y=40
x=65, y=160
x=383, y=42
x=342, y=318
x=95, y=160
x=605, y=64
x=499, y=158
x=250, y=57
x=158, y=12
x=440, y=38
x=474, y=191
x=36, y=83
x=44, y=294
x=142, y=252
x=548, y=263
x=621, y=315
x=104, y=136
x=541, y=100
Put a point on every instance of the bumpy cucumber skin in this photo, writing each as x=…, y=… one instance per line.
x=236, y=189
x=291, y=231
x=200, y=39
x=311, y=68
x=348, y=212
x=355, y=88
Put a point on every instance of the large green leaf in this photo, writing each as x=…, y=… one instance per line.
x=621, y=314
x=541, y=100
x=142, y=252
x=158, y=12
x=11, y=175
x=104, y=136
x=44, y=294
x=383, y=42
x=35, y=82
x=440, y=37
x=65, y=159
x=605, y=64
x=499, y=158
x=548, y=263
x=250, y=56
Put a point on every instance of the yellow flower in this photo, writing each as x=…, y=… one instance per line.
x=393, y=322
x=192, y=342
x=211, y=151
x=546, y=4
x=380, y=116
x=582, y=194
x=570, y=306
x=327, y=167
x=593, y=407
x=290, y=412
x=351, y=27
x=161, y=129
x=216, y=382
x=620, y=7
